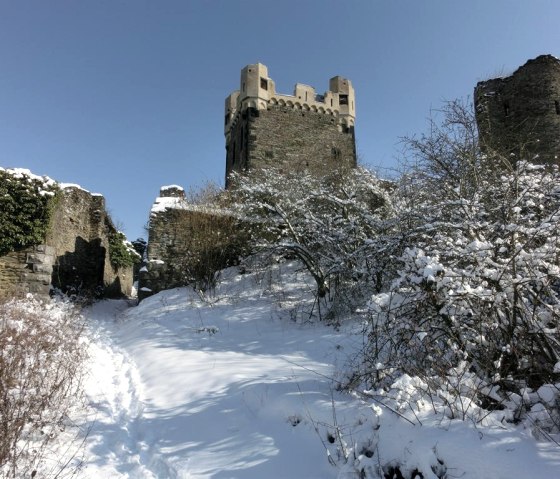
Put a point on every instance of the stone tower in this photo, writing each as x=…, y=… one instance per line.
x=303, y=131
x=520, y=114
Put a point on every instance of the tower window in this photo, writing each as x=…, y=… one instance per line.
x=343, y=99
x=264, y=83
x=557, y=106
x=227, y=119
x=506, y=108
x=335, y=152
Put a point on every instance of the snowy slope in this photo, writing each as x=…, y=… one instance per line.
x=239, y=385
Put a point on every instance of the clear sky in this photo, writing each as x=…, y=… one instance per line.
x=124, y=96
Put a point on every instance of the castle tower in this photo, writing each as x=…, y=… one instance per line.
x=303, y=131
x=519, y=115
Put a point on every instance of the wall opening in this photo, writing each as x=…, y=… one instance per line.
x=506, y=108
x=557, y=106
x=343, y=99
x=264, y=83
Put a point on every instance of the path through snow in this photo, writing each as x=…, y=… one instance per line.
x=240, y=387
x=195, y=390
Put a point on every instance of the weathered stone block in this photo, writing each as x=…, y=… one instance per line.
x=39, y=288
x=38, y=258
x=41, y=278
x=43, y=248
x=43, y=268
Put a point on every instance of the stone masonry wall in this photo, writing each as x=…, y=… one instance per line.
x=520, y=114
x=166, y=245
x=186, y=241
x=28, y=270
x=290, y=138
x=75, y=253
x=79, y=236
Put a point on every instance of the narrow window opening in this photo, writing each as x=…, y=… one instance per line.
x=305, y=96
x=343, y=99
x=331, y=101
x=557, y=106
x=226, y=119
x=243, y=86
x=335, y=152
x=506, y=108
x=264, y=84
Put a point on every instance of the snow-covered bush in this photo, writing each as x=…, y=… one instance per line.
x=474, y=310
x=41, y=360
x=330, y=223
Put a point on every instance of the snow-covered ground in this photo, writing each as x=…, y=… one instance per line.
x=242, y=385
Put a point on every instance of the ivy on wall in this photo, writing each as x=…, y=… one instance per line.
x=121, y=252
x=26, y=205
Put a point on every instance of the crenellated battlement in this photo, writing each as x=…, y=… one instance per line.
x=258, y=91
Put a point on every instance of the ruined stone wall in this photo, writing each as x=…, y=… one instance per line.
x=79, y=235
x=74, y=255
x=290, y=138
x=167, y=243
x=186, y=244
x=520, y=114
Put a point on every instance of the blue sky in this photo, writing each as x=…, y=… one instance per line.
x=124, y=96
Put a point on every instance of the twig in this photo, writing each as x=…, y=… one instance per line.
x=363, y=394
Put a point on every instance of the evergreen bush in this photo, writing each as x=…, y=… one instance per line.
x=121, y=252
x=26, y=205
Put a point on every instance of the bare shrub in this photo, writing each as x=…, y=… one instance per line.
x=41, y=360
x=215, y=241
